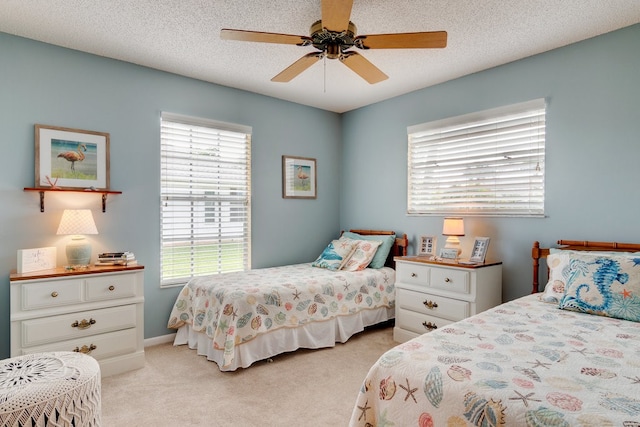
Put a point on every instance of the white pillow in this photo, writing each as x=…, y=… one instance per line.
x=362, y=255
x=558, y=264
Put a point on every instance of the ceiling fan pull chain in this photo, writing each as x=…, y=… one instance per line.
x=324, y=63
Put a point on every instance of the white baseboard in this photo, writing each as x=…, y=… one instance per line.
x=162, y=339
x=119, y=364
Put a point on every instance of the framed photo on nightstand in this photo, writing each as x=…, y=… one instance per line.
x=479, y=251
x=427, y=246
x=449, y=253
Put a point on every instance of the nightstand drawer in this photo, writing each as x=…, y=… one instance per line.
x=432, y=293
x=450, y=280
x=74, y=325
x=433, y=305
x=51, y=294
x=99, y=346
x=420, y=323
x=110, y=287
x=413, y=274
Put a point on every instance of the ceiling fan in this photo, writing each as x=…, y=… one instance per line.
x=334, y=36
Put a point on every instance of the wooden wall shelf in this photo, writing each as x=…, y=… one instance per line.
x=46, y=190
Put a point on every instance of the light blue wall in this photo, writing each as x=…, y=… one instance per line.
x=593, y=151
x=592, y=158
x=44, y=84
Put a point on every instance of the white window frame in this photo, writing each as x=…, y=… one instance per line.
x=489, y=163
x=205, y=186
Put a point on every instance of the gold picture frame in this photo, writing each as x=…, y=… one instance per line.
x=299, y=179
x=69, y=158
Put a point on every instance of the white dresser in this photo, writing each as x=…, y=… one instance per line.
x=97, y=311
x=431, y=294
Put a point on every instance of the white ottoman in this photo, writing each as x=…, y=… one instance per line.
x=50, y=389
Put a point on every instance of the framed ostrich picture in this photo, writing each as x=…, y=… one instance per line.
x=299, y=179
x=71, y=158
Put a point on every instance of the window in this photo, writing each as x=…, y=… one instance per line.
x=488, y=163
x=206, y=194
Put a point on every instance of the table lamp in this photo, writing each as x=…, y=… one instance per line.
x=453, y=228
x=77, y=222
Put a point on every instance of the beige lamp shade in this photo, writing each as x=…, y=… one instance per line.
x=77, y=222
x=453, y=228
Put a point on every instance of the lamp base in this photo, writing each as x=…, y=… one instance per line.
x=78, y=252
x=453, y=242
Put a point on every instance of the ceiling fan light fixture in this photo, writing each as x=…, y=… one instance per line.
x=333, y=51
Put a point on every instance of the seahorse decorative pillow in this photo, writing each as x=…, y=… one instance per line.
x=605, y=285
x=335, y=254
x=560, y=270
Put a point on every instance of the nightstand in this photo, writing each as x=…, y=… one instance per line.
x=431, y=294
x=97, y=311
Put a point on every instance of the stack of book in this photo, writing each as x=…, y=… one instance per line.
x=116, y=258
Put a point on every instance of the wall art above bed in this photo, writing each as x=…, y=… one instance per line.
x=299, y=179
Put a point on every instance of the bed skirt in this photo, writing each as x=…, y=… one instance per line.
x=313, y=335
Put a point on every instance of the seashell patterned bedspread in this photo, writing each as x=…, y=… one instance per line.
x=234, y=308
x=524, y=363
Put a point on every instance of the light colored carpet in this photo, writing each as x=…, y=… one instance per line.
x=303, y=388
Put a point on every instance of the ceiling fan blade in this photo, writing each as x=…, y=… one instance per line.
x=297, y=67
x=430, y=39
x=257, y=36
x=362, y=67
x=336, y=14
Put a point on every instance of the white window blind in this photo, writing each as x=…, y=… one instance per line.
x=488, y=163
x=205, y=192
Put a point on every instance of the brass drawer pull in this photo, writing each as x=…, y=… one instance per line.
x=430, y=326
x=84, y=324
x=84, y=349
x=54, y=294
x=414, y=275
x=430, y=304
x=111, y=288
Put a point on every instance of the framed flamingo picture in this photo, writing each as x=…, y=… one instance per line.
x=299, y=179
x=71, y=158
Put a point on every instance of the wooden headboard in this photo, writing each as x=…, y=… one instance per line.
x=399, y=248
x=576, y=245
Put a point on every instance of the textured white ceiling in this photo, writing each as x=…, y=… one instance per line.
x=183, y=37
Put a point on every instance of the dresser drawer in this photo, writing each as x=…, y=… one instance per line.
x=98, y=310
x=419, y=322
x=104, y=345
x=413, y=274
x=51, y=294
x=449, y=308
x=110, y=287
x=450, y=280
x=74, y=325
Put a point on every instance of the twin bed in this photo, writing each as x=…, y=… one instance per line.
x=568, y=356
x=236, y=319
